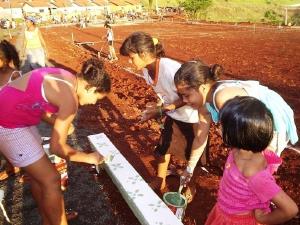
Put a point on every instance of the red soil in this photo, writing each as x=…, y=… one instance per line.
x=269, y=55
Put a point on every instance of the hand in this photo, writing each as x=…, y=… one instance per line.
x=96, y=158
x=185, y=177
x=150, y=112
x=22, y=54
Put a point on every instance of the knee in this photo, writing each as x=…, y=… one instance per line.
x=52, y=182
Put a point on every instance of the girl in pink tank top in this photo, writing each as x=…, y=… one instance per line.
x=9, y=71
x=27, y=100
x=247, y=187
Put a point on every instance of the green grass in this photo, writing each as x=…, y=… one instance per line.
x=246, y=11
x=236, y=10
x=163, y=3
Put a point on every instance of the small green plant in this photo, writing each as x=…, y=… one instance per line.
x=273, y=17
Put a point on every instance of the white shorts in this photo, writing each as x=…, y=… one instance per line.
x=36, y=57
x=21, y=146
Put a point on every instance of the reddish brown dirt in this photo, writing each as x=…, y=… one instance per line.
x=271, y=56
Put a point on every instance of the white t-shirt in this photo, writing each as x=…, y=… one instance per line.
x=110, y=35
x=166, y=90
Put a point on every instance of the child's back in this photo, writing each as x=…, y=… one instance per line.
x=247, y=183
x=247, y=186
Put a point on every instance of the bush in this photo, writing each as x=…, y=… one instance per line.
x=295, y=19
x=273, y=17
x=193, y=7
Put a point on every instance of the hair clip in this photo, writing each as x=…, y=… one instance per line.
x=155, y=41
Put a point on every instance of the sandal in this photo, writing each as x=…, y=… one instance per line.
x=71, y=214
x=190, y=193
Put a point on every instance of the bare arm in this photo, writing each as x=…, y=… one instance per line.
x=285, y=210
x=177, y=104
x=24, y=46
x=159, y=110
x=67, y=104
x=42, y=41
x=225, y=94
x=200, y=140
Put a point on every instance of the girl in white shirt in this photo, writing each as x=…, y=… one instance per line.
x=147, y=54
x=110, y=41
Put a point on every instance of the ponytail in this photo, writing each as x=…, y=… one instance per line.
x=196, y=73
x=159, y=50
x=93, y=72
x=141, y=42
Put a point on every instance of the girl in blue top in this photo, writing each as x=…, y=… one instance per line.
x=201, y=89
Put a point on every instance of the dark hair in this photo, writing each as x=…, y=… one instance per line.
x=196, y=73
x=8, y=52
x=94, y=73
x=106, y=25
x=141, y=42
x=247, y=124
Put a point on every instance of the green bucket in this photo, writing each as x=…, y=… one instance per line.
x=176, y=202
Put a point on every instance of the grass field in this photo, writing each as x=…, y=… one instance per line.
x=234, y=10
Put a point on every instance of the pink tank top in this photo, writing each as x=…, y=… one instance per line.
x=239, y=194
x=25, y=108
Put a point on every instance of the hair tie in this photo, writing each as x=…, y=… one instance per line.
x=155, y=41
x=211, y=69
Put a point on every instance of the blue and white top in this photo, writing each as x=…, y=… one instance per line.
x=282, y=113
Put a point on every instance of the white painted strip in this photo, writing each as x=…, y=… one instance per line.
x=143, y=201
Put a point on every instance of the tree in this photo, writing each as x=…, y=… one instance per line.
x=150, y=4
x=195, y=6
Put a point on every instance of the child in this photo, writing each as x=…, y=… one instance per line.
x=34, y=46
x=110, y=41
x=26, y=100
x=199, y=86
x=9, y=71
x=147, y=54
x=247, y=186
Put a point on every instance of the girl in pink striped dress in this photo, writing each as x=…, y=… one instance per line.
x=247, y=187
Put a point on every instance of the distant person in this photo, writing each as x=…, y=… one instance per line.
x=34, y=46
x=13, y=24
x=27, y=100
x=247, y=186
x=181, y=121
x=110, y=41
